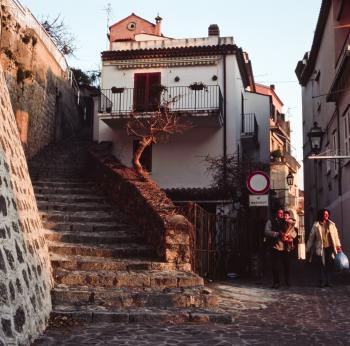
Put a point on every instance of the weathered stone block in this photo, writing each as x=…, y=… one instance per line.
x=7, y=327
x=2, y=263
x=19, y=319
x=174, y=236
x=4, y=299
x=10, y=259
x=2, y=233
x=3, y=206
x=163, y=280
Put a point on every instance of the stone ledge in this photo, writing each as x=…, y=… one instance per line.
x=175, y=315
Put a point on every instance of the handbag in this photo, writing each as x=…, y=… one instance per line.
x=301, y=251
x=341, y=261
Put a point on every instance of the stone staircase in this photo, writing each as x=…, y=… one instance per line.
x=103, y=269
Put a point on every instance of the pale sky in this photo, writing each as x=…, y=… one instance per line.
x=275, y=34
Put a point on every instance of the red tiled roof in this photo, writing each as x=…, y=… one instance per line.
x=131, y=15
x=169, y=52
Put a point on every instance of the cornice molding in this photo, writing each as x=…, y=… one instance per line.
x=168, y=52
x=162, y=62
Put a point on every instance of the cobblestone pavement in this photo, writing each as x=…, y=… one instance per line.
x=299, y=315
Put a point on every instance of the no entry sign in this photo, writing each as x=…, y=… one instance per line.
x=258, y=183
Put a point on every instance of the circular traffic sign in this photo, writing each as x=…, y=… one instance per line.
x=258, y=182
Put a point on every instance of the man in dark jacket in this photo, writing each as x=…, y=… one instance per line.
x=274, y=232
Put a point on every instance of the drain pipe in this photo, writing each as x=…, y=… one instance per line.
x=225, y=123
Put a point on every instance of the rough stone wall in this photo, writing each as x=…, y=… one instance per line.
x=163, y=227
x=42, y=99
x=25, y=271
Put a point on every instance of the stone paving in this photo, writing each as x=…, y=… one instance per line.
x=300, y=315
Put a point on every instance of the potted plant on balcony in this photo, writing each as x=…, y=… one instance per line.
x=116, y=90
x=276, y=155
x=198, y=86
x=158, y=88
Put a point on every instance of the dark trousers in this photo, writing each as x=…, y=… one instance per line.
x=326, y=268
x=280, y=259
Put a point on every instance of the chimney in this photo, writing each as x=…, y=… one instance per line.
x=158, y=25
x=272, y=86
x=213, y=30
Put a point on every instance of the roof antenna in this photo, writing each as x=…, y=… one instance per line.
x=108, y=11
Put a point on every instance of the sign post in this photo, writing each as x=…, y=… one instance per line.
x=258, y=184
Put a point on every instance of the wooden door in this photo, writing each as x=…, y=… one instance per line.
x=146, y=93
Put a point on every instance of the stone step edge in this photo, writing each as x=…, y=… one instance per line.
x=178, y=274
x=143, y=315
x=116, y=291
x=93, y=234
x=131, y=264
x=125, y=246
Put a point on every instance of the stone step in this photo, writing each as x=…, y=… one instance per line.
x=66, y=190
x=120, y=298
x=56, y=216
x=95, y=238
x=89, y=226
x=89, y=263
x=79, y=179
x=64, y=184
x=72, y=206
x=70, y=198
x=38, y=174
x=157, y=280
x=125, y=250
x=94, y=314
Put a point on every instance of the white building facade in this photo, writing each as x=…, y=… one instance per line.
x=215, y=111
x=228, y=115
x=324, y=74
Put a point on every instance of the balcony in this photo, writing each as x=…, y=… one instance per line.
x=291, y=162
x=342, y=73
x=279, y=123
x=249, y=131
x=204, y=106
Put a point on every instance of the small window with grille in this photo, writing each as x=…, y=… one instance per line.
x=335, y=151
x=346, y=123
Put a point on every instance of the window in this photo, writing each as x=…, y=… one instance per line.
x=335, y=152
x=328, y=162
x=346, y=123
x=146, y=157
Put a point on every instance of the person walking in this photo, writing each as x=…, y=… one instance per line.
x=291, y=233
x=277, y=236
x=324, y=240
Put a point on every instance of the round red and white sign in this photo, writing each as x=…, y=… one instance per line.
x=258, y=183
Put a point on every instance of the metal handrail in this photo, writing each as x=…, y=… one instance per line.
x=123, y=101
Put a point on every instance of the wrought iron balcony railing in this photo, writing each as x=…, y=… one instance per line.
x=122, y=101
x=250, y=127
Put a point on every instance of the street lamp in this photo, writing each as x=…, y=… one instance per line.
x=290, y=179
x=315, y=138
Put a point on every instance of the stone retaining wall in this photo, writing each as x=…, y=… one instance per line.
x=165, y=229
x=42, y=98
x=25, y=271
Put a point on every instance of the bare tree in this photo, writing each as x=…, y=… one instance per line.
x=153, y=128
x=229, y=174
x=60, y=34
